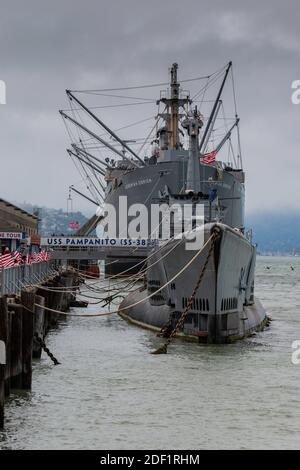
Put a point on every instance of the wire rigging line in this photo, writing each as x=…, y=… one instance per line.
x=96, y=193
x=212, y=79
x=72, y=138
x=92, y=170
x=120, y=105
x=138, y=87
x=127, y=97
x=150, y=133
x=232, y=152
x=238, y=127
x=91, y=190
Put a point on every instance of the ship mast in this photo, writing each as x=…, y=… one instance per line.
x=173, y=103
x=174, y=107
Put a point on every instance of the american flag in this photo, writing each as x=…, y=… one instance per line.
x=17, y=257
x=35, y=258
x=11, y=259
x=6, y=261
x=45, y=255
x=209, y=157
x=74, y=225
x=41, y=256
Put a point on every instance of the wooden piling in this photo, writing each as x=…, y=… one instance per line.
x=2, y=393
x=39, y=325
x=8, y=354
x=27, y=300
x=3, y=339
x=16, y=366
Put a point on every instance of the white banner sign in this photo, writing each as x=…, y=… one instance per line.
x=96, y=242
x=11, y=235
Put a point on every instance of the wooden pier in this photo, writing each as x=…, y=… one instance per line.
x=24, y=324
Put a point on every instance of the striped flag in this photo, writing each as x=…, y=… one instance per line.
x=47, y=256
x=17, y=257
x=38, y=257
x=209, y=157
x=35, y=258
x=43, y=256
x=6, y=261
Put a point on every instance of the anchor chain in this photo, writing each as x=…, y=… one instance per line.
x=47, y=351
x=165, y=329
x=179, y=324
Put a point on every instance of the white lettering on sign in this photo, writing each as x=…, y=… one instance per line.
x=2, y=353
x=14, y=235
x=96, y=242
x=138, y=183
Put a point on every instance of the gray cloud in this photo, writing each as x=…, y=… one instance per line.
x=46, y=47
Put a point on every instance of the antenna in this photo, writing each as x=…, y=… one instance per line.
x=69, y=203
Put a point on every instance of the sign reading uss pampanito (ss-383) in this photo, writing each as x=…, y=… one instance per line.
x=96, y=242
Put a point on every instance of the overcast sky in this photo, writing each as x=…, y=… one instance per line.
x=46, y=47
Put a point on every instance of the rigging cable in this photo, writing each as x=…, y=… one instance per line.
x=153, y=85
x=84, y=169
x=238, y=126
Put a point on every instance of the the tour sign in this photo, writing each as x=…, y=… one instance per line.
x=97, y=242
x=11, y=235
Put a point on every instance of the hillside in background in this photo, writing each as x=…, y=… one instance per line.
x=55, y=221
x=276, y=232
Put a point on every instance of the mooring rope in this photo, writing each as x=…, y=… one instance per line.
x=142, y=272
x=112, y=312
x=135, y=277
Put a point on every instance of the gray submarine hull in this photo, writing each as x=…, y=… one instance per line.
x=224, y=308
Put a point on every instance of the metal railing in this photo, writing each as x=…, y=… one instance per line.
x=13, y=279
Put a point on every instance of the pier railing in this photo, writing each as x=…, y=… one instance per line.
x=13, y=279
